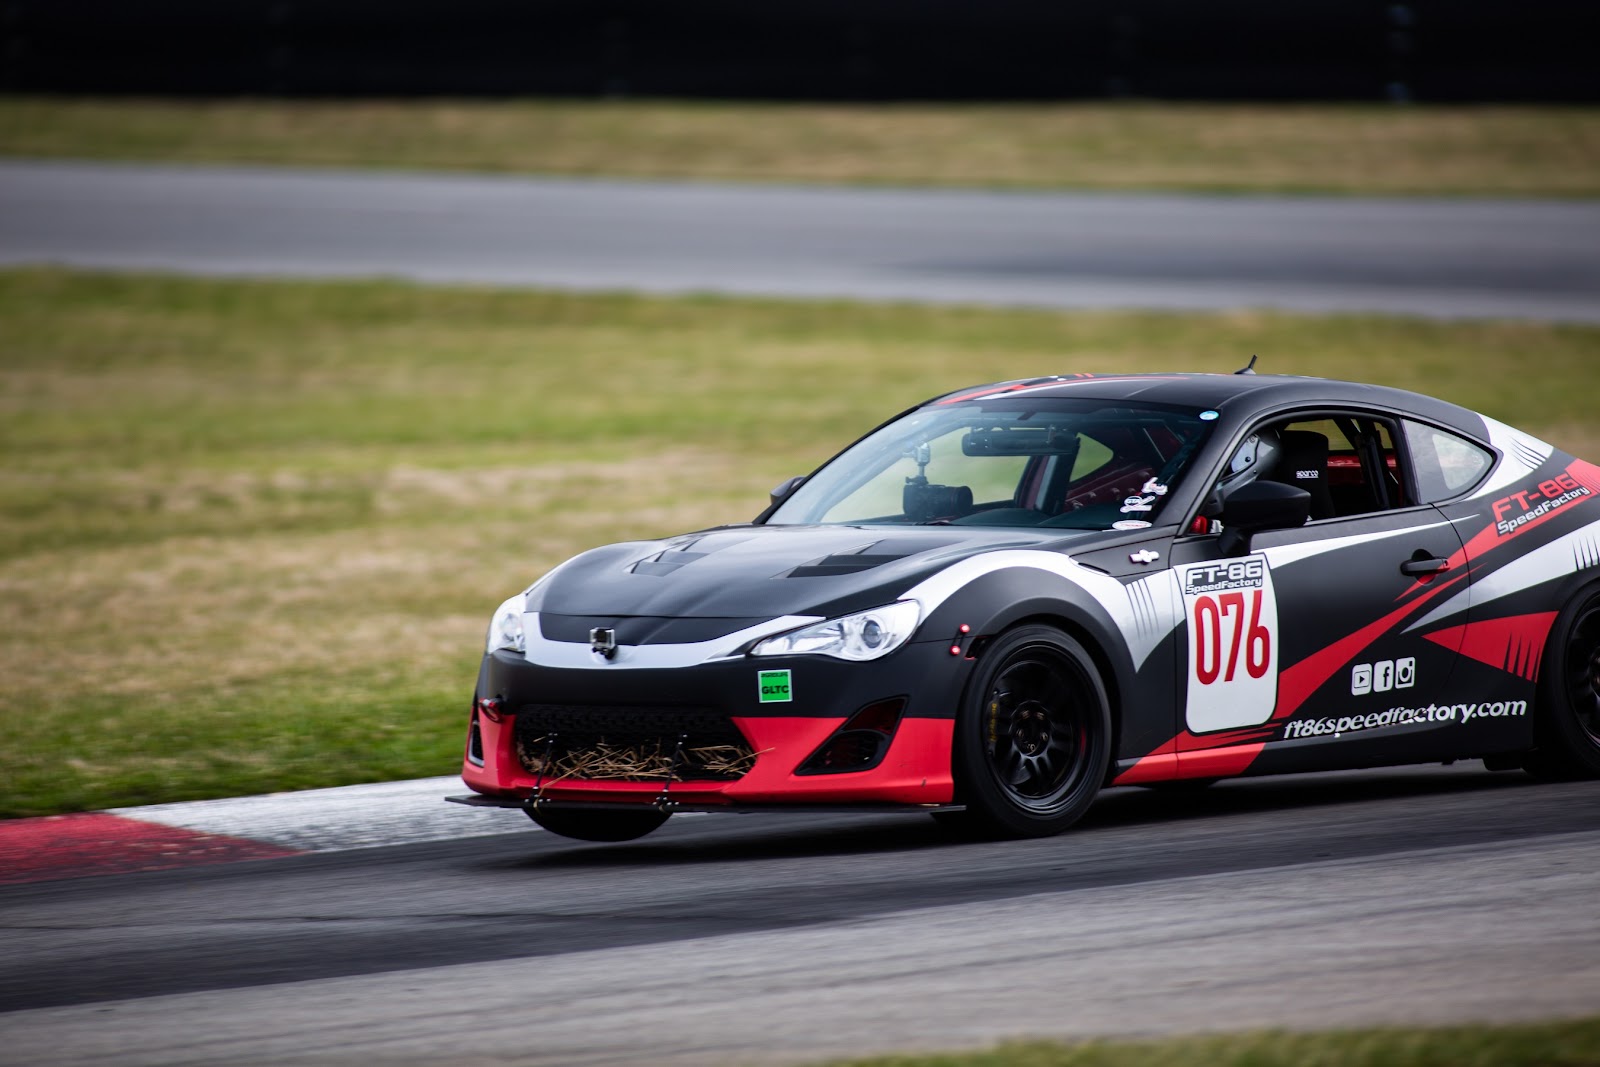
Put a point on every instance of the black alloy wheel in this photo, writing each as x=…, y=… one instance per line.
x=1033, y=737
x=1583, y=672
x=588, y=825
x=1568, y=723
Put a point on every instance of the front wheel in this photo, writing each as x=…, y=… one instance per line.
x=1033, y=736
x=599, y=825
x=1568, y=727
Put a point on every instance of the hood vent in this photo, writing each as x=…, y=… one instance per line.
x=862, y=559
x=668, y=560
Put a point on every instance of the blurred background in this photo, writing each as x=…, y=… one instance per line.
x=292, y=398
x=1437, y=50
x=326, y=325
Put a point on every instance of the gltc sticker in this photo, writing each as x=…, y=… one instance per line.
x=775, y=686
x=1232, y=614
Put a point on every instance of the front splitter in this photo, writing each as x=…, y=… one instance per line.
x=475, y=800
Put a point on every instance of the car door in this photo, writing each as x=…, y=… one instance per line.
x=1298, y=655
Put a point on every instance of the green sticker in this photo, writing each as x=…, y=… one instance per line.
x=775, y=686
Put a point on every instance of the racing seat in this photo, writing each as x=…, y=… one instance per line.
x=1304, y=465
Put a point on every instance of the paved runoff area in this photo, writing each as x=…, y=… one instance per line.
x=166, y=836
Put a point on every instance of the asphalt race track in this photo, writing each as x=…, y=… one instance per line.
x=1448, y=258
x=1406, y=896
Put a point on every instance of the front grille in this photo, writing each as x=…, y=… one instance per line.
x=630, y=743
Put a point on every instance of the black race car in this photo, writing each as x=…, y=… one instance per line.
x=1010, y=596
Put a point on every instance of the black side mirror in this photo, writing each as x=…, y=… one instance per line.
x=781, y=492
x=1260, y=506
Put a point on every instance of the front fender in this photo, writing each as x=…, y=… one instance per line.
x=1129, y=626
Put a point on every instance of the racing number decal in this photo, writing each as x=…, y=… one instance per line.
x=1232, y=616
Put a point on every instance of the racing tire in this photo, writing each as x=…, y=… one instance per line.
x=599, y=825
x=1033, y=735
x=1567, y=730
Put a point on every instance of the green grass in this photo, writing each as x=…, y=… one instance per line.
x=1348, y=149
x=1557, y=1044
x=250, y=532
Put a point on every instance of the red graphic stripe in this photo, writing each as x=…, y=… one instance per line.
x=1585, y=474
x=979, y=393
x=1297, y=683
x=1197, y=761
x=72, y=846
x=1210, y=752
x=1514, y=644
x=1489, y=538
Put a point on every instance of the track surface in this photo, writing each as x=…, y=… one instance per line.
x=1412, y=895
x=1460, y=258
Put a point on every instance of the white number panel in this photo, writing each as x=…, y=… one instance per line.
x=1232, y=618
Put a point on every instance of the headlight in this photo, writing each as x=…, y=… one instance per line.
x=864, y=635
x=505, y=629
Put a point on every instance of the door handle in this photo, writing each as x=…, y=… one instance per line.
x=1422, y=564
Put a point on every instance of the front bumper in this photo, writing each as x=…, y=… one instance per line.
x=915, y=769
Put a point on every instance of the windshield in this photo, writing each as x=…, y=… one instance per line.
x=1076, y=464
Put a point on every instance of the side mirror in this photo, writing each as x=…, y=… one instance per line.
x=1260, y=506
x=781, y=492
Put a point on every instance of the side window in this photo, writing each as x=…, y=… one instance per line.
x=1445, y=465
x=1348, y=463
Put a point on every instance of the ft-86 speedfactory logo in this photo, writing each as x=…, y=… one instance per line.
x=1232, y=621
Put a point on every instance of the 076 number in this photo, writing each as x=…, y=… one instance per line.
x=1254, y=639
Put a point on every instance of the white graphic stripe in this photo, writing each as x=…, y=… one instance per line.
x=1521, y=455
x=1283, y=555
x=1554, y=560
x=1144, y=612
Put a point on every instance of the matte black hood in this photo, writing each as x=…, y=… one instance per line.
x=761, y=572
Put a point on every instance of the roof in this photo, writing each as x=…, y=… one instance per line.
x=1220, y=391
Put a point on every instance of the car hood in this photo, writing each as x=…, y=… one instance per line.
x=761, y=572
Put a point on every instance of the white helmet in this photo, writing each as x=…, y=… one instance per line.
x=1255, y=457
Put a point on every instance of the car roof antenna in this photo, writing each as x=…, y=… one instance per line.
x=1251, y=368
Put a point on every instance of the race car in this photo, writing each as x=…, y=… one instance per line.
x=1011, y=596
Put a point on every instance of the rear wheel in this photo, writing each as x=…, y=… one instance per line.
x=599, y=825
x=1033, y=737
x=1569, y=696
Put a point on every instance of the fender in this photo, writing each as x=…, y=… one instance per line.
x=1129, y=626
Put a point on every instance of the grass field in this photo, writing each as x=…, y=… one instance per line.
x=1352, y=149
x=1559, y=1044
x=250, y=532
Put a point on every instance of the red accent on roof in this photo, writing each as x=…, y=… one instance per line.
x=73, y=846
x=986, y=391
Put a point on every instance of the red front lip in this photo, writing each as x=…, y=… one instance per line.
x=916, y=769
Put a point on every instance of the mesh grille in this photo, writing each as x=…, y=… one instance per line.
x=630, y=743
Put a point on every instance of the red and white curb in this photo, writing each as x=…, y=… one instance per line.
x=164, y=836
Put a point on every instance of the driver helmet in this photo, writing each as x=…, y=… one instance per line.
x=1254, y=458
